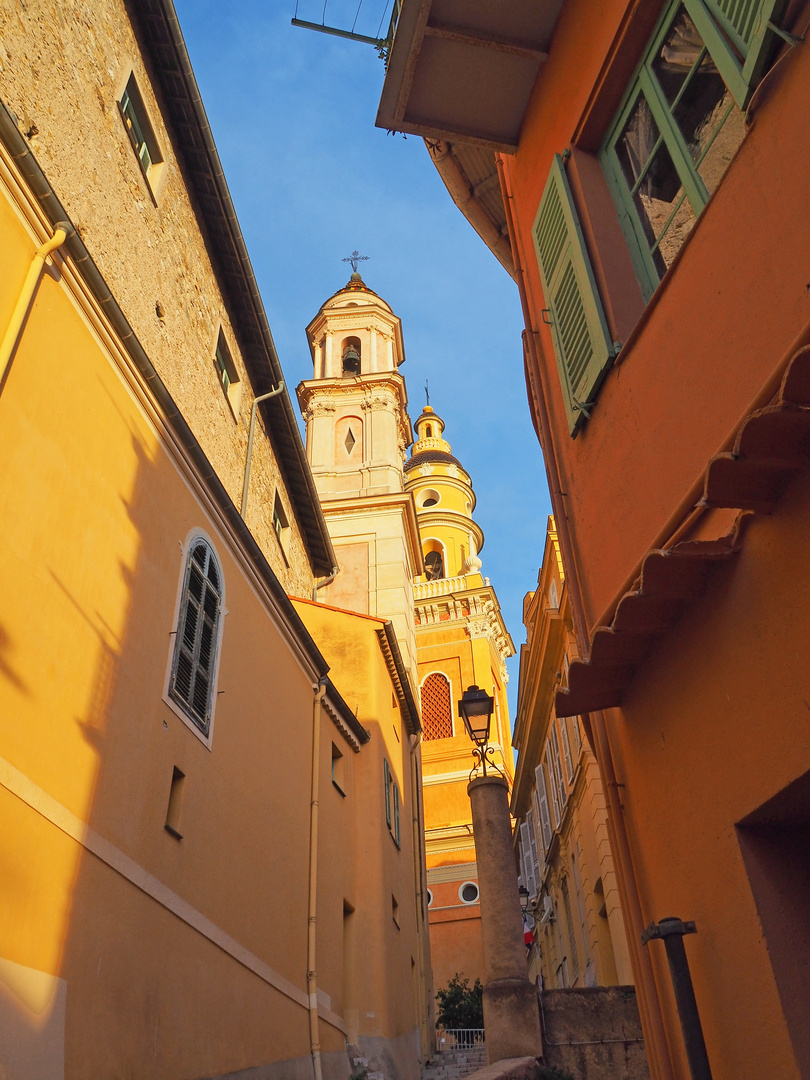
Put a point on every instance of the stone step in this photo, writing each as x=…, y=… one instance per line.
x=454, y=1064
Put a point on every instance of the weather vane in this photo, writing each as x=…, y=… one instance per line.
x=427, y=393
x=355, y=258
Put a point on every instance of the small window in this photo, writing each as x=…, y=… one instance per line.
x=428, y=497
x=141, y=133
x=468, y=893
x=392, y=804
x=338, y=764
x=227, y=374
x=197, y=635
x=281, y=524
x=430, y=897
x=175, y=807
x=428, y=431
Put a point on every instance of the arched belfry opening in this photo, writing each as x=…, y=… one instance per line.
x=350, y=357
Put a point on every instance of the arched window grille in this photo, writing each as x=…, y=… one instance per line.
x=434, y=565
x=437, y=714
x=196, y=640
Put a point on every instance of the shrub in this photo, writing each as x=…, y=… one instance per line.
x=461, y=1005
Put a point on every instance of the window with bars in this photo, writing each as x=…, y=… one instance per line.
x=197, y=636
x=437, y=712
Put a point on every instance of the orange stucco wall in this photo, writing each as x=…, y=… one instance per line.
x=679, y=389
x=715, y=722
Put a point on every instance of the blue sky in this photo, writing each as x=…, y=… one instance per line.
x=312, y=179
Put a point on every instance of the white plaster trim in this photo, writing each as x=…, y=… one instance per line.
x=446, y=778
x=39, y=800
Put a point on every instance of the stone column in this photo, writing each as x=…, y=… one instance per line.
x=511, y=1011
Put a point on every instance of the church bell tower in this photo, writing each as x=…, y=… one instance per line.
x=357, y=432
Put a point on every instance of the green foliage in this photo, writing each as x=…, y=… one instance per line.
x=550, y=1072
x=460, y=1005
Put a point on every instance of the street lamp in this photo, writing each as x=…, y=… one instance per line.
x=475, y=709
x=523, y=892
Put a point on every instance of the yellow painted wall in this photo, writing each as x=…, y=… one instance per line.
x=180, y=957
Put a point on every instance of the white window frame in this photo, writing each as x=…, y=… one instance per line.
x=462, y=887
x=205, y=737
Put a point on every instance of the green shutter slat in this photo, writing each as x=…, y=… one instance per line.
x=387, y=783
x=579, y=330
x=745, y=24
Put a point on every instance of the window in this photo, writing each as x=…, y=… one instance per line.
x=566, y=749
x=437, y=713
x=197, y=636
x=430, y=897
x=227, y=373
x=338, y=779
x=281, y=524
x=468, y=893
x=172, y=825
x=141, y=134
x=392, y=804
x=678, y=127
x=557, y=773
x=542, y=800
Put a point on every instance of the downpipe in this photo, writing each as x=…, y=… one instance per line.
x=312, y=976
x=256, y=403
x=63, y=230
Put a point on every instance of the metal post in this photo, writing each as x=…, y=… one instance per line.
x=672, y=931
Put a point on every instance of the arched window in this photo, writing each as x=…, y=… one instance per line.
x=437, y=714
x=196, y=640
x=434, y=565
x=350, y=357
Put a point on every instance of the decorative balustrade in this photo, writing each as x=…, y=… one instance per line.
x=427, y=590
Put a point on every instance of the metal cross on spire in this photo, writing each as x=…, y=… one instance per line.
x=355, y=258
x=427, y=393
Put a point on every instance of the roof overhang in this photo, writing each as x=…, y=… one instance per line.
x=464, y=69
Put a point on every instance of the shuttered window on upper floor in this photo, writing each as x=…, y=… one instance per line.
x=679, y=126
x=574, y=312
x=681, y=122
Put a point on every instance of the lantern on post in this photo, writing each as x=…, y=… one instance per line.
x=475, y=709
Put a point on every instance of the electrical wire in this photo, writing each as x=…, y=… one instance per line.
x=382, y=18
x=357, y=15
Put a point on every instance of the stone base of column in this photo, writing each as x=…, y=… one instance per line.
x=511, y=1020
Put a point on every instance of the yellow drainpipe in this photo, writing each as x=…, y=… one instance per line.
x=312, y=977
x=62, y=231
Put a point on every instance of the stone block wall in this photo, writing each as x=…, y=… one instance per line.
x=594, y=1033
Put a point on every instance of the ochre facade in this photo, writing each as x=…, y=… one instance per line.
x=558, y=801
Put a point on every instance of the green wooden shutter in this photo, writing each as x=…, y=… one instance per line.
x=387, y=783
x=582, y=342
x=744, y=23
x=397, y=836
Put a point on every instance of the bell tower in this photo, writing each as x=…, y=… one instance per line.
x=461, y=640
x=357, y=433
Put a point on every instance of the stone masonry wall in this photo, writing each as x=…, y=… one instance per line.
x=595, y=1034
x=63, y=67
